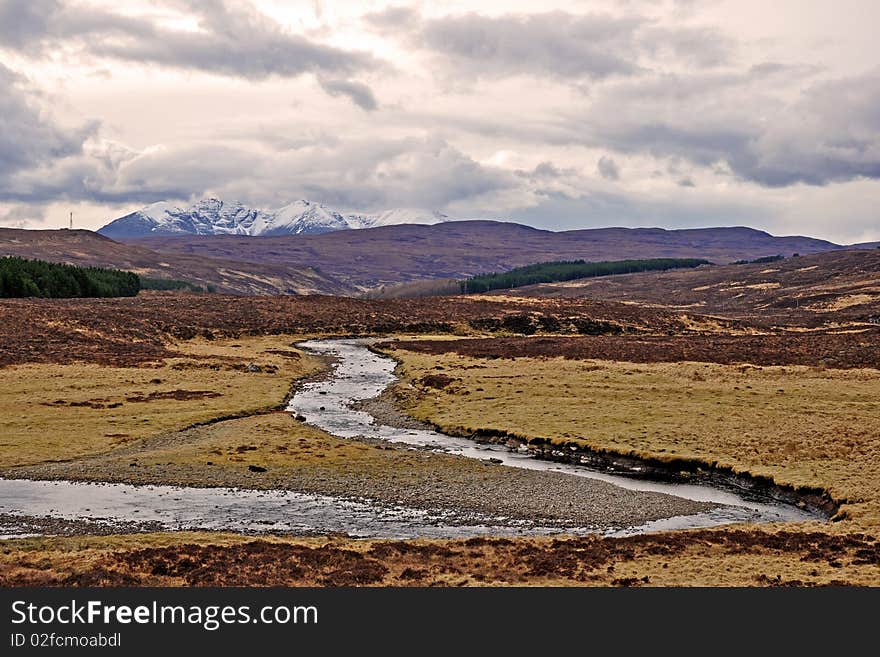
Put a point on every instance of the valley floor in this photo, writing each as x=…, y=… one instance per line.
x=195, y=400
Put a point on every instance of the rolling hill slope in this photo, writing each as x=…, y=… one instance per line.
x=373, y=257
x=353, y=261
x=843, y=285
x=85, y=248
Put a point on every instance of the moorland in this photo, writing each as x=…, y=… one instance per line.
x=765, y=369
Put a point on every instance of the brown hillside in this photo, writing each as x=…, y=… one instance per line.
x=840, y=286
x=135, y=330
x=373, y=257
x=88, y=249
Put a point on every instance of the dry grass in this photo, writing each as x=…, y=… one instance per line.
x=847, y=301
x=799, y=425
x=720, y=557
x=290, y=449
x=50, y=558
x=715, y=326
x=109, y=543
x=61, y=412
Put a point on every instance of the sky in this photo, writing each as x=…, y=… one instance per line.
x=561, y=115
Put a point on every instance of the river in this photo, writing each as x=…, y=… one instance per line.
x=358, y=374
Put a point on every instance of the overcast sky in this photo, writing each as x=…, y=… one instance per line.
x=672, y=113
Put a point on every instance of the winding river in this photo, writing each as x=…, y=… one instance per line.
x=358, y=374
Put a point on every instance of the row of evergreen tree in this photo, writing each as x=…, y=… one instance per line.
x=166, y=284
x=567, y=270
x=761, y=261
x=36, y=278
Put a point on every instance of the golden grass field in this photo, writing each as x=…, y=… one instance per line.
x=289, y=449
x=799, y=425
x=61, y=412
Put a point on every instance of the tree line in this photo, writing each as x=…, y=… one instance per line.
x=567, y=270
x=166, y=284
x=36, y=278
x=762, y=261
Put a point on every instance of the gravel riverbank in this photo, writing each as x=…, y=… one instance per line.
x=13, y=526
x=475, y=491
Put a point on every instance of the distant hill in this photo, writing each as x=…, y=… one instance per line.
x=841, y=285
x=353, y=261
x=374, y=257
x=88, y=249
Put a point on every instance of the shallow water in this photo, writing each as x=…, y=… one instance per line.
x=229, y=509
x=358, y=374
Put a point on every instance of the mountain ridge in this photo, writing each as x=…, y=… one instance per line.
x=213, y=216
x=389, y=255
x=357, y=261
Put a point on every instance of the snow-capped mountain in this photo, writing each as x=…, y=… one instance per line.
x=212, y=216
x=405, y=216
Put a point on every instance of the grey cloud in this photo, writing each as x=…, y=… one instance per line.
x=29, y=138
x=393, y=18
x=557, y=44
x=37, y=27
x=600, y=209
x=700, y=47
x=70, y=179
x=23, y=23
x=234, y=40
x=396, y=173
x=21, y=216
x=522, y=128
x=282, y=140
x=607, y=168
x=145, y=178
x=358, y=175
x=42, y=161
x=547, y=171
x=178, y=173
x=769, y=124
x=360, y=94
x=829, y=133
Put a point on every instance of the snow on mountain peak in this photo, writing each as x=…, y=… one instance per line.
x=212, y=216
x=157, y=210
x=409, y=216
